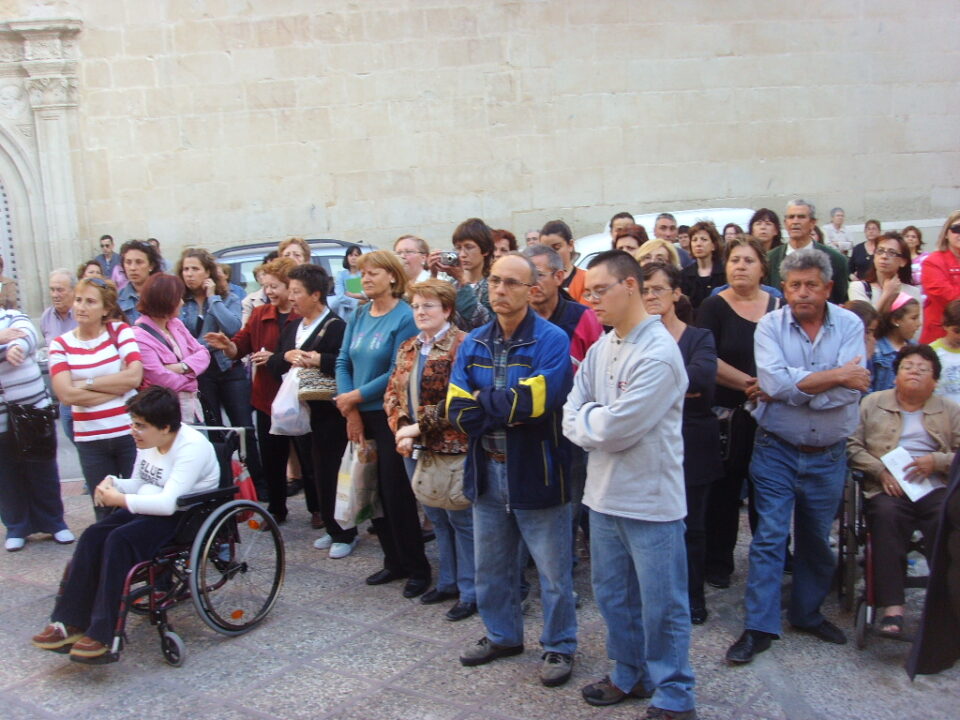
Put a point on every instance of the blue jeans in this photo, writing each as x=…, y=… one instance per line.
x=66, y=421
x=808, y=487
x=99, y=458
x=639, y=573
x=29, y=493
x=454, y=532
x=497, y=535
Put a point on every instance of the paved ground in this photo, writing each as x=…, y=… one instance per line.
x=336, y=649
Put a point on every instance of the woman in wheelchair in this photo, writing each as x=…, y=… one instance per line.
x=172, y=460
x=927, y=426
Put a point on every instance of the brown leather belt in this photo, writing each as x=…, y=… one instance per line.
x=497, y=457
x=805, y=449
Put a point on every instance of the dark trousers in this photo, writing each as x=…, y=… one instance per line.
x=99, y=458
x=105, y=553
x=328, y=442
x=722, y=521
x=303, y=447
x=695, y=538
x=29, y=493
x=229, y=391
x=274, y=450
x=892, y=521
x=399, y=528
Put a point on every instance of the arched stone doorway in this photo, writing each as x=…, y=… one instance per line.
x=38, y=91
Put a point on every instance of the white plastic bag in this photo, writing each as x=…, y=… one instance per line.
x=288, y=415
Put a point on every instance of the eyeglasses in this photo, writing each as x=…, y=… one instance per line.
x=495, y=281
x=955, y=228
x=424, y=306
x=404, y=253
x=655, y=291
x=883, y=252
x=598, y=292
x=919, y=369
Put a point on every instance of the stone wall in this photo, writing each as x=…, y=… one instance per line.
x=217, y=122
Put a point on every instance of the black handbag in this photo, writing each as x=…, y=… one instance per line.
x=34, y=430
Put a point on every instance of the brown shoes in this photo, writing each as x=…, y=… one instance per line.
x=57, y=637
x=87, y=650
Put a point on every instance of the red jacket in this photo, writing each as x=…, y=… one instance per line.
x=262, y=331
x=940, y=278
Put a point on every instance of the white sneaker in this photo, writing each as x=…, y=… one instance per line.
x=323, y=542
x=14, y=544
x=341, y=550
x=64, y=537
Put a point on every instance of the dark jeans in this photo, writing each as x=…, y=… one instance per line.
x=329, y=440
x=892, y=521
x=399, y=528
x=722, y=521
x=229, y=391
x=104, y=555
x=29, y=493
x=274, y=450
x=303, y=447
x=695, y=538
x=99, y=458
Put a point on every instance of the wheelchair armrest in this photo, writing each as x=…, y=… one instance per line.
x=205, y=496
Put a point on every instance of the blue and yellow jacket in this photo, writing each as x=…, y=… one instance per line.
x=539, y=377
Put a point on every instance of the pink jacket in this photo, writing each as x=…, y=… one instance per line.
x=156, y=353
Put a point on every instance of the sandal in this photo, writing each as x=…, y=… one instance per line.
x=891, y=626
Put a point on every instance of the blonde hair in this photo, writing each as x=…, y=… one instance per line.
x=421, y=243
x=386, y=260
x=300, y=242
x=651, y=246
x=108, y=296
x=952, y=219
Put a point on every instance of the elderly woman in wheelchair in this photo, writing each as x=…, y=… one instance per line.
x=172, y=461
x=927, y=426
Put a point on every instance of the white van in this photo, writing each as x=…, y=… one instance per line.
x=590, y=245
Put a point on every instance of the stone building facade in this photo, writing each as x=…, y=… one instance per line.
x=217, y=122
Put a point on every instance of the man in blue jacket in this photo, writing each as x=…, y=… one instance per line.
x=506, y=393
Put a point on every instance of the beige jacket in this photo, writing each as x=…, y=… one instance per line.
x=879, y=429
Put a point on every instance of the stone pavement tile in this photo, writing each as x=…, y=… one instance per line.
x=390, y=653
x=161, y=701
x=300, y=633
x=307, y=692
x=228, y=669
x=310, y=582
x=370, y=604
x=443, y=676
x=391, y=704
x=428, y=621
x=15, y=710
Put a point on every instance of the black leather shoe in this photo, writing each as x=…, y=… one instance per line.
x=718, y=581
x=435, y=596
x=698, y=615
x=294, y=485
x=826, y=631
x=415, y=587
x=382, y=577
x=461, y=611
x=750, y=644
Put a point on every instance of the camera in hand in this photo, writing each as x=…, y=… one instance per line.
x=450, y=258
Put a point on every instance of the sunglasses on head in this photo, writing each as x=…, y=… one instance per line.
x=99, y=282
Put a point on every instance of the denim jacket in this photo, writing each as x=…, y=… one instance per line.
x=219, y=315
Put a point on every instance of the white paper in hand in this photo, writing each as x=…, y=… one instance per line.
x=896, y=461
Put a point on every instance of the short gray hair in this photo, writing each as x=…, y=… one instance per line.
x=803, y=203
x=554, y=261
x=805, y=260
x=835, y=210
x=534, y=273
x=72, y=277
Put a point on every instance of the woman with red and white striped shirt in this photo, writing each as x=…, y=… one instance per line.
x=95, y=368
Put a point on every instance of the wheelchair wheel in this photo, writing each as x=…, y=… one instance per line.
x=860, y=628
x=174, y=651
x=237, y=567
x=849, y=548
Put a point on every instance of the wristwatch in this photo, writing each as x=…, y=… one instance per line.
x=186, y=368
x=89, y=382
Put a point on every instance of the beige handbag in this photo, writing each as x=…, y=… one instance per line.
x=314, y=384
x=438, y=481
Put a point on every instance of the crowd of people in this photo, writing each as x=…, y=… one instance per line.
x=638, y=401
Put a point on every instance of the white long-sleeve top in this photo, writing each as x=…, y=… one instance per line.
x=626, y=411
x=190, y=465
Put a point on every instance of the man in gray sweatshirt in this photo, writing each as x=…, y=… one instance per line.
x=625, y=410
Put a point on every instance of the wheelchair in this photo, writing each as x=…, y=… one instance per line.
x=854, y=536
x=227, y=558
